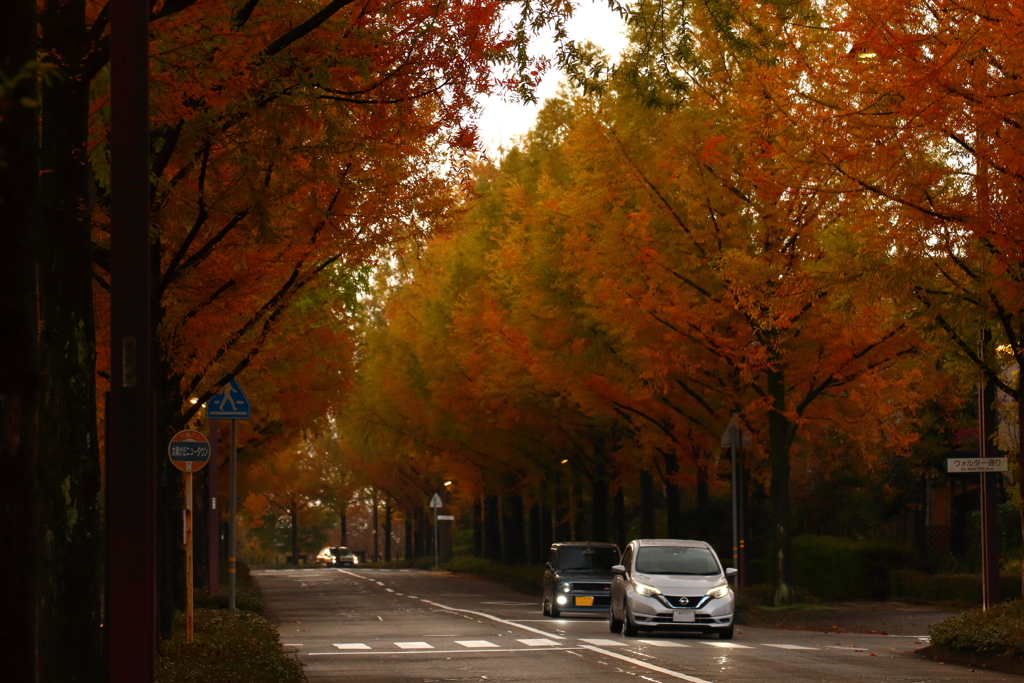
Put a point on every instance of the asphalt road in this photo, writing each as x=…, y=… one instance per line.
x=391, y=626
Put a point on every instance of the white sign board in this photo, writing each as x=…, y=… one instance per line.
x=435, y=502
x=962, y=465
x=443, y=518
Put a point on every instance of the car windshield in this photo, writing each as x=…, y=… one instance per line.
x=574, y=557
x=341, y=552
x=676, y=560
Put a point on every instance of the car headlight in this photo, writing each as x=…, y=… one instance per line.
x=719, y=591
x=355, y=560
x=645, y=590
x=566, y=587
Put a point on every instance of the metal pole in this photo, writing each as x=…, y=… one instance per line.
x=214, y=520
x=435, y=539
x=735, y=501
x=989, y=510
x=233, y=503
x=189, y=585
x=741, y=579
x=130, y=621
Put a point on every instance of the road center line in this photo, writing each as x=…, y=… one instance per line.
x=448, y=652
x=469, y=611
x=494, y=618
x=646, y=665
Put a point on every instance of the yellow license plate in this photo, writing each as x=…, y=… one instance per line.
x=584, y=601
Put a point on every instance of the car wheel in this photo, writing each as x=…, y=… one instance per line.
x=555, y=612
x=628, y=625
x=545, y=608
x=614, y=625
x=725, y=633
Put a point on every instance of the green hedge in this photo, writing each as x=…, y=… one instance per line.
x=835, y=568
x=962, y=589
x=230, y=646
x=529, y=580
x=996, y=631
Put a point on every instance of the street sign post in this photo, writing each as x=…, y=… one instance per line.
x=436, y=503
x=735, y=438
x=231, y=404
x=189, y=451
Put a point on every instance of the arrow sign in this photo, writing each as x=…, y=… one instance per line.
x=435, y=502
x=230, y=404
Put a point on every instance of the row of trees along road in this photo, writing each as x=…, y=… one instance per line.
x=292, y=144
x=800, y=214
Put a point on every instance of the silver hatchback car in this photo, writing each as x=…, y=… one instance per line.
x=671, y=584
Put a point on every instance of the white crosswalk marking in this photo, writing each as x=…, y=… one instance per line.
x=789, y=647
x=389, y=590
x=352, y=646
x=418, y=645
x=727, y=645
x=603, y=642
x=664, y=643
x=537, y=642
x=475, y=643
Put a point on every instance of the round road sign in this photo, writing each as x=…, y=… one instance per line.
x=189, y=450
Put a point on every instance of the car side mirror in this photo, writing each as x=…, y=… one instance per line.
x=731, y=572
x=619, y=569
x=549, y=566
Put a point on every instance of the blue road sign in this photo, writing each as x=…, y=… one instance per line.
x=230, y=404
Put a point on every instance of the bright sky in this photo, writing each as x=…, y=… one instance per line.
x=502, y=122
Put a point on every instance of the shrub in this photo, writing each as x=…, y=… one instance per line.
x=997, y=631
x=835, y=568
x=230, y=646
x=529, y=580
x=962, y=589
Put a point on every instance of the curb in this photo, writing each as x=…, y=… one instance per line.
x=1013, y=665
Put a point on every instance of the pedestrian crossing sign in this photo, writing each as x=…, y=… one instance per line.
x=230, y=404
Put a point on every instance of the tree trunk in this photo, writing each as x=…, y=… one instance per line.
x=647, y=505
x=563, y=530
x=703, y=502
x=387, y=530
x=515, y=526
x=779, y=429
x=69, y=541
x=20, y=376
x=535, y=542
x=576, y=504
x=376, y=530
x=409, y=552
x=672, y=517
x=492, y=528
x=293, y=511
x=344, y=529
x=599, y=505
x=478, y=527
x=620, y=518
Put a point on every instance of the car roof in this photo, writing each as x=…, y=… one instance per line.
x=583, y=544
x=670, y=542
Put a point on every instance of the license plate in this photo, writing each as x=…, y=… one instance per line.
x=584, y=601
x=686, y=617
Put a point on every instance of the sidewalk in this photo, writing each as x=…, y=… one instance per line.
x=889, y=618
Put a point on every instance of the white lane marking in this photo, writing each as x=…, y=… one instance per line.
x=646, y=665
x=352, y=646
x=718, y=643
x=664, y=643
x=497, y=619
x=291, y=644
x=604, y=642
x=536, y=642
x=854, y=649
x=379, y=583
x=377, y=653
x=479, y=614
x=475, y=643
x=506, y=602
x=789, y=647
x=419, y=645
x=389, y=590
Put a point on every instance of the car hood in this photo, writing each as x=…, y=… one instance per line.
x=584, y=574
x=676, y=584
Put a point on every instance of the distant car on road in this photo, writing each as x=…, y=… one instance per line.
x=578, y=577
x=337, y=556
x=671, y=584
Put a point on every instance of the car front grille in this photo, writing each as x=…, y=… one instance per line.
x=691, y=602
x=589, y=587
